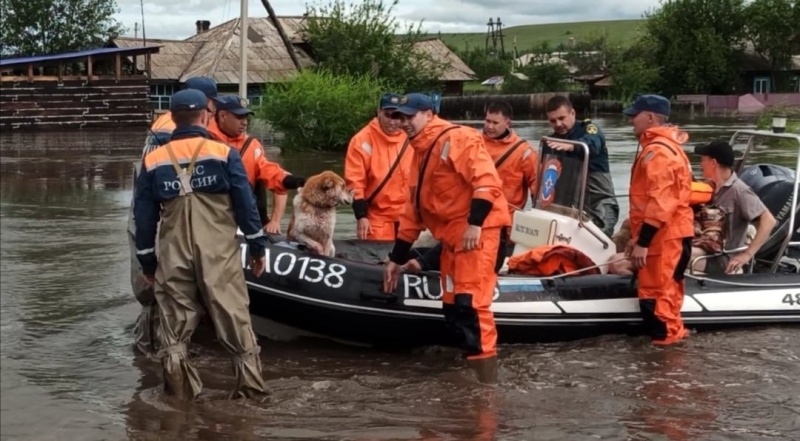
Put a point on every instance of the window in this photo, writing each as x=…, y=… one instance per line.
x=160, y=95
x=254, y=100
x=761, y=85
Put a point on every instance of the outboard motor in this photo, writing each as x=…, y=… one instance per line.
x=774, y=185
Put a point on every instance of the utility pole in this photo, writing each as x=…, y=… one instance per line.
x=500, y=35
x=279, y=27
x=495, y=32
x=243, y=49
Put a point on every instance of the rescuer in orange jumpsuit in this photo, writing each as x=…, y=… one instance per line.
x=457, y=194
x=660, y=216
x=515, y=161
x=376, y=167
x=231, y=128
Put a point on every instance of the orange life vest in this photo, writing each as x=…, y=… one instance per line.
x=702, y=192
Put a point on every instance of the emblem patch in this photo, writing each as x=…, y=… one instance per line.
x=591, y=129
x=549, y=179
x=394, y=100
x=243, y=102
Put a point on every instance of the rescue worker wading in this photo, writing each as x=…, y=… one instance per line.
x=515, y=161
x=147, y=328
x=458, y=196
x=376, y=168
x=601, y=203
x=661, y=218
x=199, y=190
x=231, y=128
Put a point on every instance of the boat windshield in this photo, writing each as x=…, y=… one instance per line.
x=562, y=177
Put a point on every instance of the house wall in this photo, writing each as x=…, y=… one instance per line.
x=453, y=88
x=762, y=82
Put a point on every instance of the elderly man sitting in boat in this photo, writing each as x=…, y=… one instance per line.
x=724, y=224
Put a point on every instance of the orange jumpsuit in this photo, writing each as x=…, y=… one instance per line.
x=256, y=164
x=164, y=123
x=662, y=221
x=369, y=158
x=517, y=171
x=454, y=185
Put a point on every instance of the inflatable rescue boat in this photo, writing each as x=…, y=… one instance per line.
x=341, y=297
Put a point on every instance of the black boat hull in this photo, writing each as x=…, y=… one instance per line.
x=342, y=299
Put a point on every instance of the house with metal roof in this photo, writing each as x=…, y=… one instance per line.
x=100, y=88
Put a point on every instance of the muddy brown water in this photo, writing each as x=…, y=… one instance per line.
x=68, y=372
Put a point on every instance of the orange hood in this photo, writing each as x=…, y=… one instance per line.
x=424, y=139
x=672, y=133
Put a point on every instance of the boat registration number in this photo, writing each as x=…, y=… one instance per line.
x=792, y=299
x=309, y=269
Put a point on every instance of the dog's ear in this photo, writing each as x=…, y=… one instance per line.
x=327, y=183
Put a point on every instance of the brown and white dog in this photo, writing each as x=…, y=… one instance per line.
x=314, y=212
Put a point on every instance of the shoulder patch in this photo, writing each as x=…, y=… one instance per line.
x=591, y=129
x=648, y=156
x=257, y=152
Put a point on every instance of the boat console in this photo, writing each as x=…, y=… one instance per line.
x=557, y=215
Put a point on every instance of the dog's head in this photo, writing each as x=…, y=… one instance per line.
x=326, y=189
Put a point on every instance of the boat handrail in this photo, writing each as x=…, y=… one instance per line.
x=719, y=254
x=584, y=177
x=787, y=242
x=743, y=284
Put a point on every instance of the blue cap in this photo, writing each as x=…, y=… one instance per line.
x=234, y=104
x=390, y=101
x=187, y=99
x=414, y=102
x=648, y=103
x=204, y=84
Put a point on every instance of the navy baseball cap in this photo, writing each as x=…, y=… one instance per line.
x=204, y=84
x=187, y=99
x=234, y=104
x=719, y=151
x=390, y=101
x=648, y=103
x=414, y=102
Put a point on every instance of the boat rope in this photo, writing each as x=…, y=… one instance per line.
x=747, y=285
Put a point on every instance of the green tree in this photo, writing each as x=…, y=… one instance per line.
x=697, y=43
x=364, y=38
x=633, y=72
x=32, y=27
x=772, y=28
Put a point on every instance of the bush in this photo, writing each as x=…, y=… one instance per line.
x=318, y=110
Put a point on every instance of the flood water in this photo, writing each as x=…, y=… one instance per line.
x=68, y=371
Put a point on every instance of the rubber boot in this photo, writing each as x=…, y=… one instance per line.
x=485, y=369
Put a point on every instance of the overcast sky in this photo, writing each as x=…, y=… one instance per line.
x=176, y=18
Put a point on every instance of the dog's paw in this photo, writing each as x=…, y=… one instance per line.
x=315, y=248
